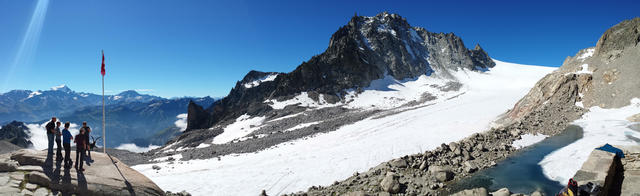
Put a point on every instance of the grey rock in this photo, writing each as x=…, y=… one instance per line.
x=41, y=192
x=156, y=167
x=390, y=183
x=537, y=193
x=30, y=168
x=4, y=180
x=472, y=192
x=39, y=178
x=444, y=176
x=8, y=165
x=9, y=190
x=30, y=186
x=423, y=165
x=26, y=192
x=502, y=192
x=398, y=163
x=470, y=167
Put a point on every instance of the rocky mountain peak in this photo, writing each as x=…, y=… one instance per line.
x=618, y=37
x=367, y=48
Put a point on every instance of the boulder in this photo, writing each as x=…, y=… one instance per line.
x=398, y=163
x=502, y=192
x=8, y=166
x=634, y=118
x=39, y=178
x=536, y=193
x=423, y=165
x=472, y=192
x=41, y=192
x=470, y=167
x=390, y=183
x=444, y=176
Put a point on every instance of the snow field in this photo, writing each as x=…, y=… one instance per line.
x=324, y=158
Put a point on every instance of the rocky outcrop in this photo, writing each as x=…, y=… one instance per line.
x=366, y=49
x=603, y=76
x=15, y=133
x=618, y=38
x=30, y=172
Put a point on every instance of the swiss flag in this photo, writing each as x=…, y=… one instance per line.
x=102, y=71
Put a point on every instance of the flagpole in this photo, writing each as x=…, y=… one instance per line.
x=104, y=136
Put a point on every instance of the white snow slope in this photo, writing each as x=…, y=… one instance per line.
x=324, y=158
x=600, y=126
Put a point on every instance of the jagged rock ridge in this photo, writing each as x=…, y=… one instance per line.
x=366, y=49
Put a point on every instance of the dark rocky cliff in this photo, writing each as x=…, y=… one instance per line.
x=366, y=49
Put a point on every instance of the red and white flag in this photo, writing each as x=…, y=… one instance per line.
x=102, y=71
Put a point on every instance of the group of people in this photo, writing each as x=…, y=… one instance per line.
x=81, y=140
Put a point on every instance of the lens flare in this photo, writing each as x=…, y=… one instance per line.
x=30, y=40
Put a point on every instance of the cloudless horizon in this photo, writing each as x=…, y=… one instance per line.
x=202, y=48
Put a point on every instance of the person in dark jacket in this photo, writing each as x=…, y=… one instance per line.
x=66, y=142
x=81, y=145
x=58, y=142
x=88, y=135
x=51, y=126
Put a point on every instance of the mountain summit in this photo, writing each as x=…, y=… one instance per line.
x=364, y=50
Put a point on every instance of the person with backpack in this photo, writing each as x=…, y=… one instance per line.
x=58, y=142
x=66, y=142
x=81, y=145
x=50, y=127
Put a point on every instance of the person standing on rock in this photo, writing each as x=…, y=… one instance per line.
x=87, y=134
x=81, y=145
x=50, y=134
x=58, y=142
x=66, y=142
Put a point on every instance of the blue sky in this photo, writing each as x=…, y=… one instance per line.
x=197, y=48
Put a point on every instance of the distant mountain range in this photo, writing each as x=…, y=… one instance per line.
x=31, y=106
x=131, y=117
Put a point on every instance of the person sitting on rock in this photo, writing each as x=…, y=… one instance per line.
x=58, y=142
x=66, y=142
x=81, y=145
x=50, y=134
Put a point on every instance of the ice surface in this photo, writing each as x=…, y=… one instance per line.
x=261, y=80
x=244, y=125
x=528, y=140
x=327, y=157
x=600, y=126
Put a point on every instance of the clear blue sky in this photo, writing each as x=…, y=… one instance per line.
x=199, y=48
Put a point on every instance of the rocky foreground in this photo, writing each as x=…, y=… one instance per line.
x=25, y=172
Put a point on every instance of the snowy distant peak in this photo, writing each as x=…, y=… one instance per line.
x=61, y=88
x=255, y=78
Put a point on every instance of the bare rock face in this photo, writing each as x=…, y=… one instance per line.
x=617, y=38
x=604, y=76
x=104, y=176
x=365, y=49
